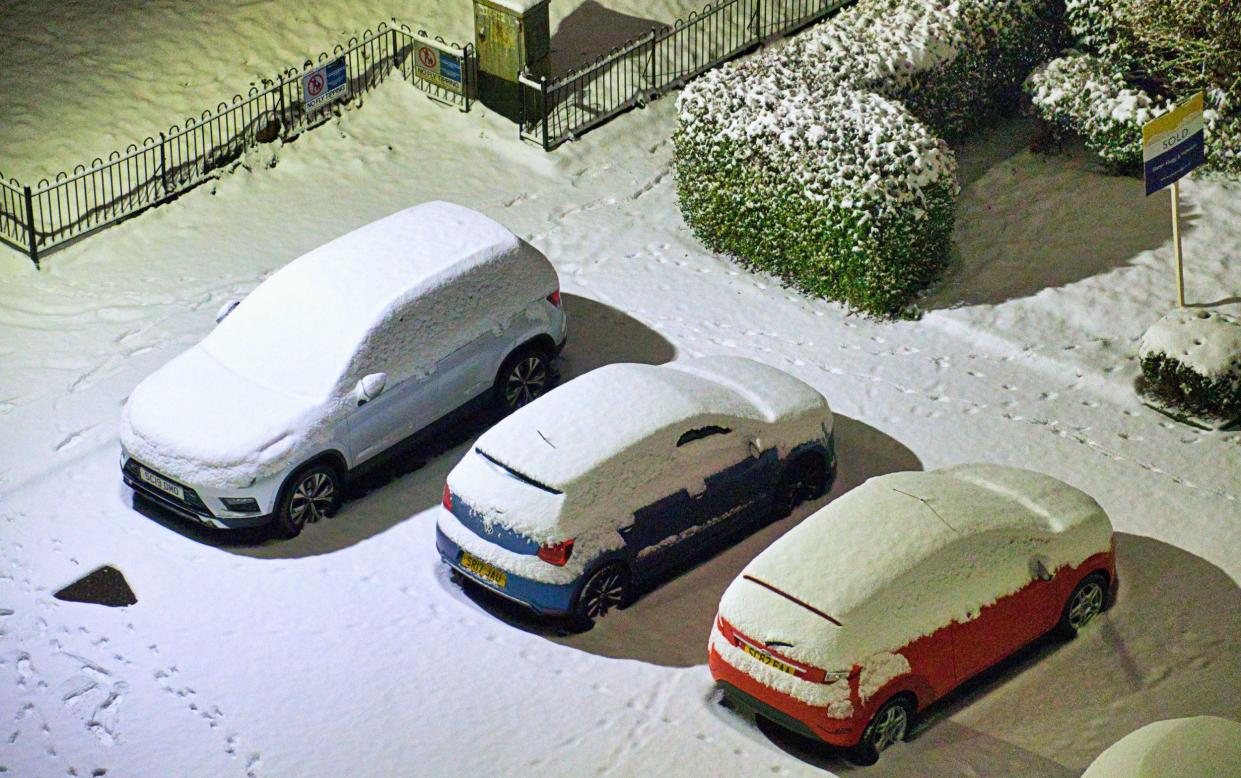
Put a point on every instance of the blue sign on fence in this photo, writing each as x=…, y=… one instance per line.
x=325, y=83
x=436, y=65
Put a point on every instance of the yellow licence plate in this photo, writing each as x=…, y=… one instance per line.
x=484, y=570
x=767, y=659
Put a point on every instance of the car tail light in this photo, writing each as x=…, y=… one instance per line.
x=447, y=499
x=556, y=553
x=554, y=298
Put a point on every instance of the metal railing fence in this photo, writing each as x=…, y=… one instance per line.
x=72, y=205
x=658, y=61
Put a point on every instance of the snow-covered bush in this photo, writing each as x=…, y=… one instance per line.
x=1191, y=361
x=1155, y=52
x=1082, y=94
x=820, y=161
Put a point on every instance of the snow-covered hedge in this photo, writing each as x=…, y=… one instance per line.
x=1082, y=94
x=820, y=161
x=1191, y=361
x=1145, y=55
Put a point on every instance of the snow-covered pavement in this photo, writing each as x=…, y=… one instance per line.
x=348, y=650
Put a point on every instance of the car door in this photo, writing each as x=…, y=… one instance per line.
x=1014, y=618
x=410, y=397
x=670, y=530
x=737, y=485
x=470, y=370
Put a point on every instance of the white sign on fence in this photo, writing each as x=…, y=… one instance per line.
x=325, y=83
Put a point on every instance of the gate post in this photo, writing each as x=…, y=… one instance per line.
x=30, y=233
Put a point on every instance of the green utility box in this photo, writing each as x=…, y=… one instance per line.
x=510, y=36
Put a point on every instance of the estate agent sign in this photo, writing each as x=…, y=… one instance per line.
x=1172, y=146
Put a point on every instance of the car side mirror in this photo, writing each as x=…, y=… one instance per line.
x=371, y=387
x=756, y=447
x=225, y=310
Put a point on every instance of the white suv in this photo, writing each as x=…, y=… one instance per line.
x=339, y=356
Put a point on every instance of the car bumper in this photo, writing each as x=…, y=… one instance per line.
x=543, y=598
x=191, y=506
x=782, y=709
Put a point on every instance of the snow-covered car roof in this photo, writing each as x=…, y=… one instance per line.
x=299, y=329
x=565, y=435
x=880, y=559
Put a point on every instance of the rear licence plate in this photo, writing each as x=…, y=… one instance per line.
x=485, y=571
x=766, y=658
x=161, y=484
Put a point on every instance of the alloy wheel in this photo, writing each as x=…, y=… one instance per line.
x=890, y=726
x=526, y=381
x=1087, y=603
x=312, y=499
x=604, y=591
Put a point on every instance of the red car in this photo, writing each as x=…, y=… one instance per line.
x=890, y=597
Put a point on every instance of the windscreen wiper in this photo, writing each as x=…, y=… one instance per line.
x=791, y=598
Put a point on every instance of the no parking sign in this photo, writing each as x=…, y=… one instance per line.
x=325, y=83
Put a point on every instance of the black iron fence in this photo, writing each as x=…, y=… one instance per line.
x=663, y=59
x=70, y=206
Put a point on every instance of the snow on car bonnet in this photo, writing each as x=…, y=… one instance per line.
x=905, y=554
x=300, y=329
x=606, y=439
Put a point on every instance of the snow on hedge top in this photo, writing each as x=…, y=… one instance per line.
x=1207, y=342
x=300, y=329
x=856, y=148
x=1198, y=745
x=608, y=441
x=907, y=553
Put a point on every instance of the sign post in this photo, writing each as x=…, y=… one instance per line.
x=1172, y=146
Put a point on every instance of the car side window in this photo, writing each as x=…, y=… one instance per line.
x=701, y=432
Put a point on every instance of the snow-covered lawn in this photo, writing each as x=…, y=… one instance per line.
x=348, y=650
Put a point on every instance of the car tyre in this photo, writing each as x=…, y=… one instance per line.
x=1088, y=600
x=604, y=589
x=309, y=495
x=524, y=377
x=804, y=479
x=891, y=724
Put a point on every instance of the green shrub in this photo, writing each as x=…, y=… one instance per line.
x=819, y=161
x=1165, y=50
x=1081, y=94
x=1191, y=362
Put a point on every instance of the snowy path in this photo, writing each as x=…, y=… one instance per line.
x=348, y=647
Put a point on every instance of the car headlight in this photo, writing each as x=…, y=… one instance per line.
x=832, y=676
x=241, y=504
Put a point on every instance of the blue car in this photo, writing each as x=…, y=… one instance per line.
x=621, y=475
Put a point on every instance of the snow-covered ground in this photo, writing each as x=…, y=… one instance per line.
x=348, y=650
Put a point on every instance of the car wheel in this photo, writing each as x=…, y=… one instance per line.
x=1083, y=605
x=805, y=479
x=605, y=589
x=890, y=725
x=309, y=495
x=524, y=377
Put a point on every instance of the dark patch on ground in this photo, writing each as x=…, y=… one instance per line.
x=105, y=586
